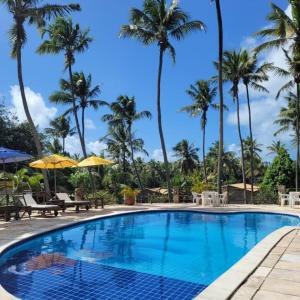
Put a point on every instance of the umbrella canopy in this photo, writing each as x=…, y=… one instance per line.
x=94, y=161
x=12, y=156
x=53, y=162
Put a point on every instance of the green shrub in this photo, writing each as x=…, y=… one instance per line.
x=266, y=195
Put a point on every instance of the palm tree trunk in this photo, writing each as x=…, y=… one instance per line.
x=160, y=129
x=242, y=146
x=297, y=135
x=63, y=144
x=75, y=112
x=29, y=118
x=82, y=126
x=251, y=140
x=203, y=153
x=133, y=161
x=220, y=80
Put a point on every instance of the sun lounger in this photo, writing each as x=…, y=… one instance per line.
x=28, y=200
x=69, y=202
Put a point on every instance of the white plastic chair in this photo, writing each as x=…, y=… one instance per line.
x=197, y=198
x=283, y=199
x=294, y=197
x=223, y=199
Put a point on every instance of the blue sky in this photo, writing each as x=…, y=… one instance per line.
x=124, y=66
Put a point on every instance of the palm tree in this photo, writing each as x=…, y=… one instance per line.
x=29, y=12
x=221, y=104
x=252, y=77
x=124, y=114
x=275, y=147
x=68, y=38
x=252, y=154
x=202, y=93
x=187, y=154
x=119, y=142
x=157, y=23
x=61, y=128
x=286, y=32
x=234, y=66
x=84, y=92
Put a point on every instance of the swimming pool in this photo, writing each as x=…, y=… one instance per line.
x=148, y=255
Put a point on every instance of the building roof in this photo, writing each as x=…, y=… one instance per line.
x=241, y=186
x=159, y=191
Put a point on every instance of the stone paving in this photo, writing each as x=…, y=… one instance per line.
x=278, y=276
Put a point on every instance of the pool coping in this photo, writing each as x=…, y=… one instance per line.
x=224, y=286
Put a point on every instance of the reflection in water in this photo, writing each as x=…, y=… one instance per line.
x=49, y=260
x=184, y=246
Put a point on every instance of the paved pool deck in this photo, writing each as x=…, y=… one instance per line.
x=275, y=274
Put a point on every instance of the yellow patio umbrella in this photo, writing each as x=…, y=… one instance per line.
x=54, y=161
x=93, y=161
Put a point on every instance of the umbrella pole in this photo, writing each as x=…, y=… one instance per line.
x=55, y=181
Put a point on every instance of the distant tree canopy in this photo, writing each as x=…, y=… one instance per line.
x=280, y=172
x=15, y=134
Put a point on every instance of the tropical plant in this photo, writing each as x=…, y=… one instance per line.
x=66, y=37
x=234, y=65
x=187, y=156
x=124, y=114
x=61, y=128
x=202, y=93
x=55, y=147
x=221, y=94
x=275, y=147
x=129, y=194
x=83, y=91
x=286, y=32
x=30, y=12
x=157, y=23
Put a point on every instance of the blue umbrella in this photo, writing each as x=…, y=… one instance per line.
x=12, y=156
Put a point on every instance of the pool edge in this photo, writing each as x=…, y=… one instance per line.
x=228, y=283
x=220, y=284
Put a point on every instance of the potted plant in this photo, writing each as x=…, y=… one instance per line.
x=129, y=195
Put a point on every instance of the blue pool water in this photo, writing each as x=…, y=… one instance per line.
x=154, y=255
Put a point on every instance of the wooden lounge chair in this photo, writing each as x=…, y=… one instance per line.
x=68, y=202
x=28, y=201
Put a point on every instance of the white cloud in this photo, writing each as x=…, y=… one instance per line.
x=40, y=113
x=234, y=148
x=157, y=154
x=73, y=146
x=89, y=124
x=96, y=147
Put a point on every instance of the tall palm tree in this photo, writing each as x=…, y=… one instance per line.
x=29, y=12
x=124, y=113
x=187, y=154
x=157, y=23
x=275, y=147
x=286, y=32
x=253, y=76
x=66, y=37
x=61, y=128
x=233, y=69
x=221, y=103
x=202, y=93
x=85, y=96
